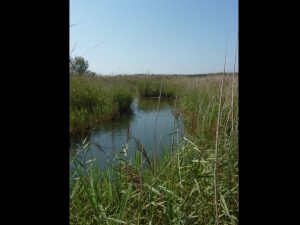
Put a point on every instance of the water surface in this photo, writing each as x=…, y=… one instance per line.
x=155, y=129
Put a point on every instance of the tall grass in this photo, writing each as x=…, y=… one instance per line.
x=180, y=189
x=150, y=86
x=96, y=99
x=93, y=101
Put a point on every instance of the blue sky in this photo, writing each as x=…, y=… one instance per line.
x=154, y=36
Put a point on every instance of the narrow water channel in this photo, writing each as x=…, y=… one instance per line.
x=155, y=129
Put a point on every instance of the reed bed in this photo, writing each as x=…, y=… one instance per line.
x=188, y=186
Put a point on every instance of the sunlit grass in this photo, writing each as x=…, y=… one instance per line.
x=180, y=188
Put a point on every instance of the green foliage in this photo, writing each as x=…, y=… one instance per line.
x=150, y=87
x=122, y=97
x=92, y=101
x=180, y=188
x=79, y=65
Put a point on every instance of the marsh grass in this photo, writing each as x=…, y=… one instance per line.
x=93, y=101
x=180, y=189
x=97, y=99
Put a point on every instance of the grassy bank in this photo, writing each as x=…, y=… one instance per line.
x=96, y=99
x=93, y=101
x=198, y=184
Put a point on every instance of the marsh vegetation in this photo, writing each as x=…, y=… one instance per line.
x=195, y=183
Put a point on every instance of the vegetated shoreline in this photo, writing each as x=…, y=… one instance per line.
x=103, y=98
x=197, y=184
x=97, y=99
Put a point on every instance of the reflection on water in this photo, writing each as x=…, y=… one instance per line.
x=109, y=139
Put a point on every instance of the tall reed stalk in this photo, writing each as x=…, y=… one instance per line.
x=216, y=148
x=154, y=134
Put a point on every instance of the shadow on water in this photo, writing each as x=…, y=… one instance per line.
x=108, y=141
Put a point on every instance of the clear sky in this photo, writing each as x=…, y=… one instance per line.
x=154, y=36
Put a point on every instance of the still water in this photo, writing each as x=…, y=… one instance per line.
x=155, y=129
